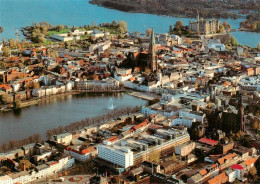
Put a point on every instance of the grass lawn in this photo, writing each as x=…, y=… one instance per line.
x=112, y=30
x=63, y=31
x=59, y=32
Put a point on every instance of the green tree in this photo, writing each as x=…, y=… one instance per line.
x=233, y=41
x=221, y=28
x=41, y=39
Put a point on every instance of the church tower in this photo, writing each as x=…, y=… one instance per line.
x=152, y=58
x=241, y=117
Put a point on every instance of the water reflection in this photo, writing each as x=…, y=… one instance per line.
x=59, y=111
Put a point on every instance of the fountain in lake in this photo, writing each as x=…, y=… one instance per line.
x=110, y=105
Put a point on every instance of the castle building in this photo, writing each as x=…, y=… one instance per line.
x=152, y=58
x=204, y=27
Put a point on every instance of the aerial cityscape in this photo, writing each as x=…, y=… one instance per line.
x=129, y=92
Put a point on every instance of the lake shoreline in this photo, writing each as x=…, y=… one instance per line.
x=32, y=102
x=100, y=4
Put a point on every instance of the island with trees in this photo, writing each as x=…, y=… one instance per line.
x=252, y=23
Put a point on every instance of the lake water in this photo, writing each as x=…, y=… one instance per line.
x=59, y=112
x=19, y=13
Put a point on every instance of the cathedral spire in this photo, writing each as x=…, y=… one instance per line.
x=152, y=58
x=152, y=38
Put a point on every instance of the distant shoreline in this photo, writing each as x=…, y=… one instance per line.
x=137, y=9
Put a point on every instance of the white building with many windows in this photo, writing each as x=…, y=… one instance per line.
x=186, y=121
x=121, y=156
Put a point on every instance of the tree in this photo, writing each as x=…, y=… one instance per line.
x=233, y=41
x=148, y=32
x=6, y=51
x=170, y=29
x=59, y=27
x=11, y=144
x=1, y=29
x=114, y=23
x=17, y=104
x=41, y=39
x=4, y=98
x=178, y=25
x=221, y=28
x=4, y=147
x=226, y=26
x=123, y=26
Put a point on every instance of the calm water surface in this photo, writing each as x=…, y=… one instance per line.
x=58, y=112
x=18, y=13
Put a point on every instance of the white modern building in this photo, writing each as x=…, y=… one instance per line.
x=121, y=156
x=75, y=35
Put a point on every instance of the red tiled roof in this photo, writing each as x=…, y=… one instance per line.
x=82, y=152
x=136, y=127
x=208, y=141
x=113, y=139
x=227, y=157
x=237, y=166
x=219, y=179
x=249, y=161
x=203, y=172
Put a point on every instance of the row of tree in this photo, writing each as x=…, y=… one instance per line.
x=14, y=144
x=72, y=127
x=91, y=121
